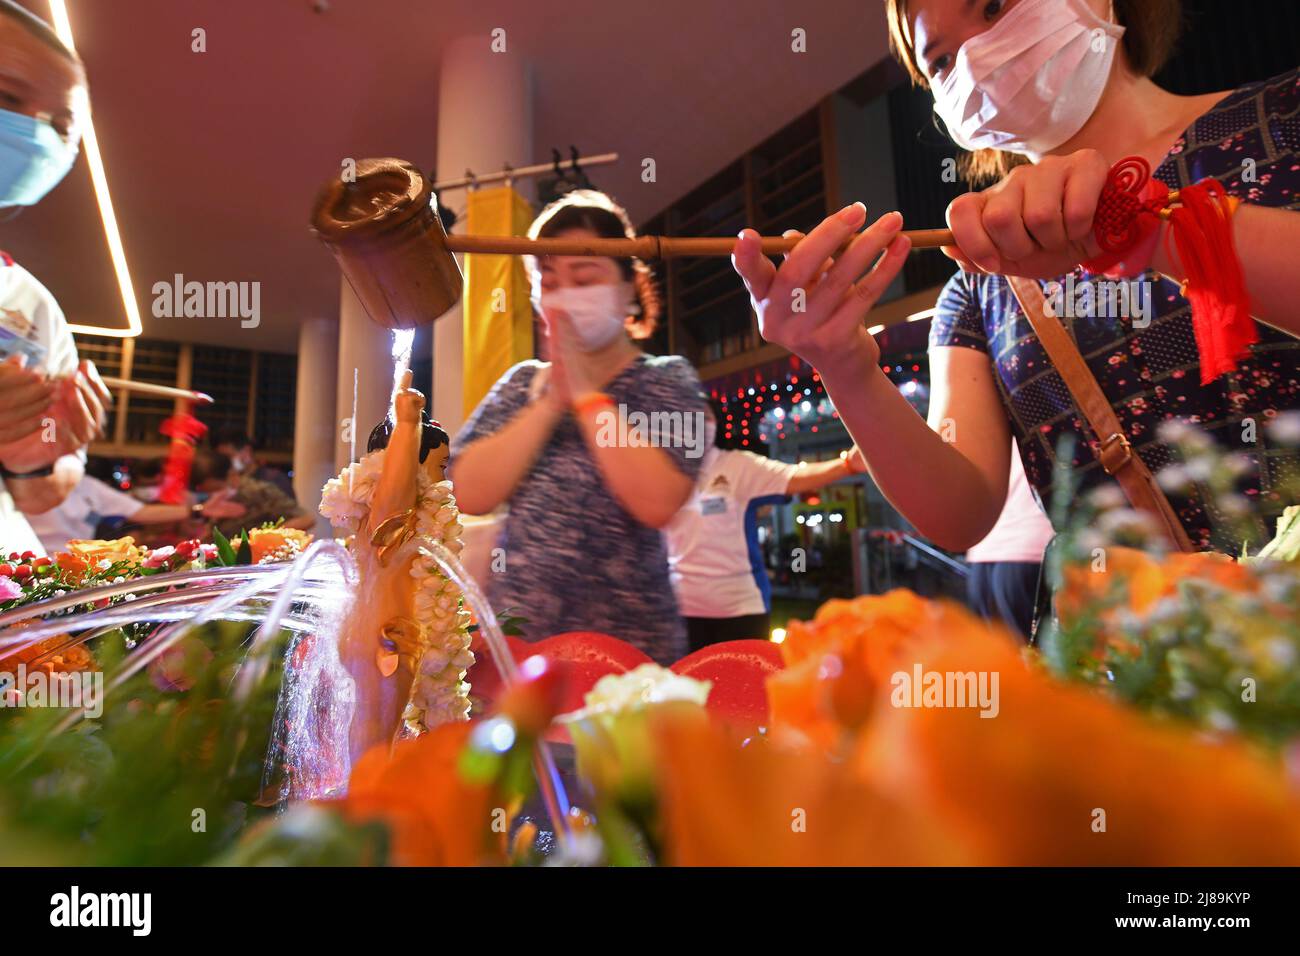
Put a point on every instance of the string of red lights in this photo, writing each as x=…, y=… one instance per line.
x=793, y=391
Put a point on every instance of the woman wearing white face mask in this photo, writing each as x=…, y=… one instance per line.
x=593, y=452
x=1050, y=94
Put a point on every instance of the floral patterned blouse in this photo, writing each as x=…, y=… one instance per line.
x=574, y=558
x=1250, y=142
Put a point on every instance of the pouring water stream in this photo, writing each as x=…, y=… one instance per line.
x=308, y=598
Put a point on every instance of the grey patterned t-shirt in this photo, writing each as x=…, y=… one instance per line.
x=575, y=560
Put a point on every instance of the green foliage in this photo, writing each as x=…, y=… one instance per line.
x=169, y=775
x=509, y=770
x=225, y=553
x=509, y=622
x=230, y=553
x=309, y=835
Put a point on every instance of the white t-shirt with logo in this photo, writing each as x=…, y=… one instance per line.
x=89, y=503
x=30, y=322
x=713, y=556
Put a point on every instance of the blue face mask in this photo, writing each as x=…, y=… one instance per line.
x=33, y=158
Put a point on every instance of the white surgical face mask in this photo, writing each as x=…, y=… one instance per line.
x=1029, y=82
x=34, y=158
x=598, y=312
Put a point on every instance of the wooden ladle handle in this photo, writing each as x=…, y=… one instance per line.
x=651, y=247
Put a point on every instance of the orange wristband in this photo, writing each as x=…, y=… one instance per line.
x=585, y=403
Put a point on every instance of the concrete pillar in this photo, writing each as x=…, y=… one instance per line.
x=315, y=427
x=366, y=359
x=485, y=120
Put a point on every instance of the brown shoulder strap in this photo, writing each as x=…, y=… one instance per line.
x=1117, y=456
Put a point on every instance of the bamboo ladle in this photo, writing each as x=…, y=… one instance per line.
x=383, y=227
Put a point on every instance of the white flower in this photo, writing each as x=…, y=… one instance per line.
x=1221, y=720
x=1174, y=478
x=1282, y=651
x=1234, y=505
x=642, y=686
x=345, y=499
x=1125, y=520
x=1107, y=496
x=1285, y=429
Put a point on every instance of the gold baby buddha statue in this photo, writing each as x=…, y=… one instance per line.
x=405, y=641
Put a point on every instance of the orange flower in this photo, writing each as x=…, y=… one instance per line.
x=762, y=805
x=1086, y=584
x=867, y=640
x=265, y=541
x=436, y=817
x=1210, y=566
x=1038, y=773
x=83, y=555
x=1145, y=579
x=1066, y=776
x=67, y=661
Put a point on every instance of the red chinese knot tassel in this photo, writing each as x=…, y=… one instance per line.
x=1126, y=226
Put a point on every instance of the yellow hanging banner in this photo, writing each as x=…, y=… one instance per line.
x=497, y=314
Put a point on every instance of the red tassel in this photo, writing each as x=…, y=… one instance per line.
x=1201, y=230
x=184, y=430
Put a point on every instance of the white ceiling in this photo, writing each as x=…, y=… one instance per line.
x=214, y=158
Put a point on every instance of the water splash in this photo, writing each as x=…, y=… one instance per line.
x=403, y=342
x=309, y=740
x=309, y=598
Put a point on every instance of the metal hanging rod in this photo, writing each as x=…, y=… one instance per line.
x=509, y=173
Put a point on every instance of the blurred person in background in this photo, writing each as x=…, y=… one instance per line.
x=213, y=475
x=717, y=569
x=238, y=447
x=1006, y=566
x=95, y=509
x=146, y=478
